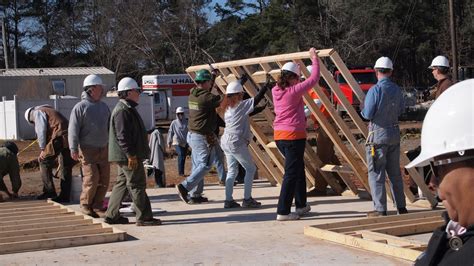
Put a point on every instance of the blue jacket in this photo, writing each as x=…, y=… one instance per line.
x=383, y=105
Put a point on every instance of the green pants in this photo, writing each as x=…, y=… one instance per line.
x=135, y=183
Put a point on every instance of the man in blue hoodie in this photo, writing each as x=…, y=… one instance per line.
x=88, y=139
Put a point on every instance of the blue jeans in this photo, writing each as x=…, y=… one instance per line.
x=236, y=153
x=202, y=157
x=181, y=151
x=219, y=163
x=386, y=158
x=294, y=179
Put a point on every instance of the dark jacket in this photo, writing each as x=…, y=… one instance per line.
x=127, y=134
x=9, y=165
x=442, y=86
x=439, y=251
x=202, y=111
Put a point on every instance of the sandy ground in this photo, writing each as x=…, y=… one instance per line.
x=208, y=234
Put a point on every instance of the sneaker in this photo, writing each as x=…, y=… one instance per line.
x=198, y=200
x=251, y=203
x=151, y=222
x=289, y=217
x=376, y=214
x=119, y=220
x=88, y=211
x=221, y=183
x=182, y=193
x=228, y=204
x=402, y=211
x=304, y=210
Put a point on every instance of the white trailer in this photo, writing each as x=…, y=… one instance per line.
x=169, y=92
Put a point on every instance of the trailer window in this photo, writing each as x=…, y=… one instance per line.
x=59, y=87
x=361, y=78
x=157, y=98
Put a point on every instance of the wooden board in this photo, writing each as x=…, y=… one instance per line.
x=381, y=234
x=38, y=225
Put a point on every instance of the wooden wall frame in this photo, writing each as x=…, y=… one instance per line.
x=257, y=68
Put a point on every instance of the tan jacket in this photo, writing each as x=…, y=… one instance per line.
x=57, y=128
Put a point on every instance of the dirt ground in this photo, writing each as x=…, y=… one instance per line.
x=32, y=184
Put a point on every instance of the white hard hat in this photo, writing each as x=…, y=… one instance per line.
x=27, y=114
x=439, y=61
x=307, y=112
x=384, y=62
x=126, y=84
x=292, y=67
x=180, y=110
x=449, y=124
x=234, y=87
x=92, y=80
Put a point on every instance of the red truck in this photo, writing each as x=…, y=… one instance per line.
x=366, y=79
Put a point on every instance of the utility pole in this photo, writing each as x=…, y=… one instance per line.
x=4, y=40
x=454, y=50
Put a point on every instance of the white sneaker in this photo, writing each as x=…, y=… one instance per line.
x=289, y=217
x=304, y=210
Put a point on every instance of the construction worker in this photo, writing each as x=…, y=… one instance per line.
x=88, y=138
x=177, y=137
x=290, y=135
x=51, y=130
x=9, y=166
x=383, y=105
x=447, y=146
x=235, y=142
x=201, y=136
x=440, y=70
x=128, y=148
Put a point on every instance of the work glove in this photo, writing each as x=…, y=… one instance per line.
x=133, y=162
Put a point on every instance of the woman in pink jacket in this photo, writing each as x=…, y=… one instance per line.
x=290, y=135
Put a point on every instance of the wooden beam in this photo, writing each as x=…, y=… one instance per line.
x=337, y=169
x=361, y=243
x=375, y=220
x=387, y=224
x=336, y=59
x=260, y=60
x=411, y=228
x=73, y=220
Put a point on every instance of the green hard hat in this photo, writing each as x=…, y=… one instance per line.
x=203, y=75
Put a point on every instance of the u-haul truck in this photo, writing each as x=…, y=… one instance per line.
x=169, y=92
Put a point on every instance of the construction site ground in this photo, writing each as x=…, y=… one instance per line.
x=208, y=234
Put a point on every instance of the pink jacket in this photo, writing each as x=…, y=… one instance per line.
x=289, y=105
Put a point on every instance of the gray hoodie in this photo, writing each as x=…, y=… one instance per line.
x=88, y=124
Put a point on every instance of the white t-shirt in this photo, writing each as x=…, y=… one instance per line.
x=237, y=120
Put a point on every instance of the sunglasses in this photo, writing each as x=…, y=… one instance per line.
x=437, y=166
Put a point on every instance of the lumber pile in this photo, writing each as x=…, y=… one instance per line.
x=381, y=234
x=267, y=157
x=38, y=225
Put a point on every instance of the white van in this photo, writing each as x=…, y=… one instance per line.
x=169, y=92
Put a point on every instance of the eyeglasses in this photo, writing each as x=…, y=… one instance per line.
x=437, y=166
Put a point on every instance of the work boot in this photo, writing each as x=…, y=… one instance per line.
x=88, y=211
x=198, y=200
x=372, y=214
x=47, y=195
x=119, y=220
x=402, y=211
x=229, y=204
x=304, y=210
x=151, y=222
x=251, y=203
x=182, y=193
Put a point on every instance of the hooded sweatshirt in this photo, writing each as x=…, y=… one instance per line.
x=290, y=120
x=202, y=111
x=89, y=124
